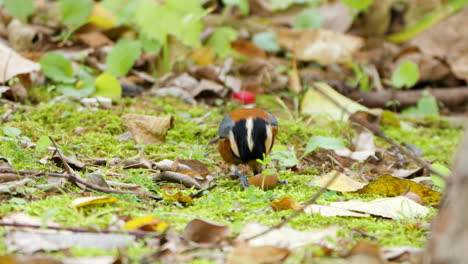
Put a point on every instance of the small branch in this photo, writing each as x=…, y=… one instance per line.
x=202, y=192
x=377, y=132
x=300, y=211
x=74, y=179
x=81, y=229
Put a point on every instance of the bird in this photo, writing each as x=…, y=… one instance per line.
x=245, y=135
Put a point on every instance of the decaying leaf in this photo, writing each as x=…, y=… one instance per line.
x=342, y=183
x=203, y=56
x=94, y=39
x=206, y=232
x=392, y=186
x=177, y=177
x=85, y=201
x=330, y=211
x=146, y=223
x=148, y=129
x=264, y=182
x=243, y=254
x=319, y=45
x=365, y=252
x=248, y=49
x=178, y=197
x=314, y=103
x=286, y=203
x=97, y=179
x=72, y=161
x=395, y=207
x=166, y=165
x=364, y=147
x=13, y=64
x=137, y=162
x=286, y=237
x=35, y=259
x=336, y=16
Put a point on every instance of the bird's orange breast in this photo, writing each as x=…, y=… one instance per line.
x=240, y=114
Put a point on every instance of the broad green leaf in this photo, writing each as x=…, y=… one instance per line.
x=122, y=57
x=75, y=12
x=43, y=143
x=220, y=41
x=124, y=9
x=285, y=158
x=427, y=105
x=406, y=75
x=358, y=5
x=266, y=41
x=243, y=5
x=323, y=142
x=107, y=86
x=11, y=131
x=149, y=45
x=56, y=67
x=309, y=18
x=21, y=9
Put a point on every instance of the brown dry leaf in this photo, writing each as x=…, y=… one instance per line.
x=97, y=179
x=364, y=147
x=148, y=223
x=166, y=165
x=286, y=203
x=35, y=259
x=30, y=242
x=243, y=254
x=206, y=232
x=365, y=252
x=403, y=254
x=395, y=208
x=85, y=201
x=203, y=56
x=94, y=39
x=180, y=178
x=392, y=186
x=207, y=86
x=7, y=177
x=286, y=237
x=148, y=129
x=137, y=162
x=196, y=165
x=178, y=197
x=24, y=37
x=248, y=49
x=72, y=161
x=319, y=45
x=12, y=64
x=408, y=174
x=294, y=79
x=330, y=211
x=336, y=16
x=449, y=45
x=342, y=183
x=264, y=182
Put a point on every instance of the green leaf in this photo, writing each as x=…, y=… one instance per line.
x=11, y=131
x=75, y=12
x=108, y=86
x=43, y=143
x=21, y=9
x=243, y=5
x=285, y=158
x=436, y=179
x=57, y=67
x=323, y=142
x=309, y=18
x=358, y=5
x=220, y=41
x=406, y=75
x=266, y=41
x=122, y=57
x=427, y=106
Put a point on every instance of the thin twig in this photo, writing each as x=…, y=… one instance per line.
x=202, y=192
x=75, y=180
x=301, y=210
x=81, y=229
x=377, y=132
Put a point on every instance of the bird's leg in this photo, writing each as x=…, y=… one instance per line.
x=242, y=178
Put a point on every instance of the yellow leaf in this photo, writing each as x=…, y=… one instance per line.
x=393, y=186
x=178, y=197
x=146, y=223
x=85, y=201
x=286, y=203
x=102, y=17
x=203, y=56
x=342, y=183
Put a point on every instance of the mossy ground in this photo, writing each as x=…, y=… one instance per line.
x=194, y=127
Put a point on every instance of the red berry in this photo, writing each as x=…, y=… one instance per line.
x=244, y=97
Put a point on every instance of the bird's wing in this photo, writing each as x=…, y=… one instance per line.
x=226, y=126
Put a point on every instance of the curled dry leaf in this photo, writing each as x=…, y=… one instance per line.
x=166, y=165
x=97, y=179
x=243, y=254
x=23, y=37
x=264, y=182
x=342, y=183
x=137, y=162
x=148, y=129
x=177, y=177
x=148, y=223
x=206, y=232
x=392, y=186
x=13, y=64
x=286, y=203
x=94, y=39
x=395, y=207
x=72, y=161
x=319, y=45
x=85, y=201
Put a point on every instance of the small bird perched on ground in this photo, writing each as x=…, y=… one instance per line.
x=244, y=136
